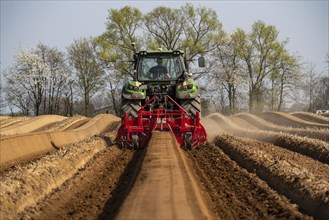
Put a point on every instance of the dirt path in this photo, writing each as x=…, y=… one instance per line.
x=164, y=188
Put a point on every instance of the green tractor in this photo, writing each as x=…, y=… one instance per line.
x=161, y=74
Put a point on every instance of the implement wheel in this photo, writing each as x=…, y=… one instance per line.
x=188, y=141
x=135, y=141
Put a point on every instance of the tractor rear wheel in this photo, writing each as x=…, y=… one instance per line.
x=131, y=107
x=192, y=106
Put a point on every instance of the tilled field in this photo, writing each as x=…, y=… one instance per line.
x=250, y=168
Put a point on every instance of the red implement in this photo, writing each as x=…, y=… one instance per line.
x=135, y=132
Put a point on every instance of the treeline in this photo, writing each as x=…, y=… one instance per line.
x=247, y=70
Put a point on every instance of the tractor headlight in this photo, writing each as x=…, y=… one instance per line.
x=176, y=52
x=186, y=87
x=131, y=87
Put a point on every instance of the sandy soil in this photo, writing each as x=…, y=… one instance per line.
x=65, y=125
x=242, y=123
x=316, y=133
x=250, y=173
x=235, y=193
x=164, y=189
x=8, y=121
x=20, y=148
x=286, y=119
x=311, y=117
x=300, y=178
x=30, y=125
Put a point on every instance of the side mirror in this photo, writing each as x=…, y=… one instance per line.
x=135, y=56
x=201, y=62
x=118, y=64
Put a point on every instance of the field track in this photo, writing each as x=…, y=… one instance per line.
x=31, y=124
x=273, y=166
x=311, y=117
x=290, y=120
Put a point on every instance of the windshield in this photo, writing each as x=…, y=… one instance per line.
x=159, y=67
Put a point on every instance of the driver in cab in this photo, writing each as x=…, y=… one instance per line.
x=159, y=71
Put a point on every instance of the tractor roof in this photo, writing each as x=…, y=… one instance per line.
x=160, y=51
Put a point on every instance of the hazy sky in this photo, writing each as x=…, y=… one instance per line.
x=58, y=23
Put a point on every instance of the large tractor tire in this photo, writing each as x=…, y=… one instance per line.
x=131, y=107
x=192, y=106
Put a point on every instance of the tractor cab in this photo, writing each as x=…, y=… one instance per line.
x=159, y=66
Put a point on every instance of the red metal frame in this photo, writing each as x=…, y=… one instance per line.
x=177, y=121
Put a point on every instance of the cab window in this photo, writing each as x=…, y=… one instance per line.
x=159, y=67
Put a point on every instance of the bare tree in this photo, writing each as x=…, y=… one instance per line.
x=321, y=94
x=321, y=90
x=89, y=73
x=311, y=80
x=2, y=99
x=16, y=95
x=228, y=74
x=58, y=76
x=284, y=78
